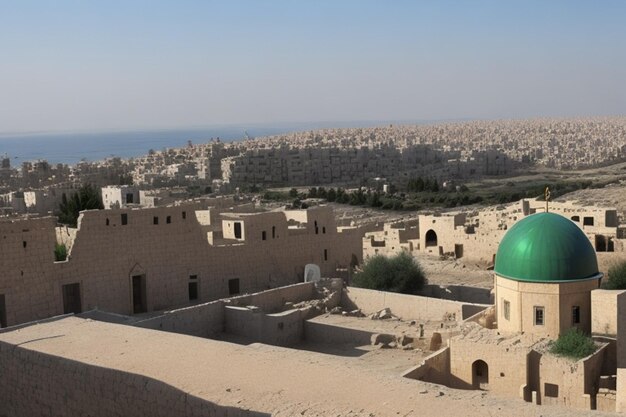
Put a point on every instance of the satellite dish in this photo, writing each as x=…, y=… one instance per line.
x=312, y=273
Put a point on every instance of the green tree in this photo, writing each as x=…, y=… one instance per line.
x=293, y=193
x=400, y=273
x=86, y=198
x=616, y=277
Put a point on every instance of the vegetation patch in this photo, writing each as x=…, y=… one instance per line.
x=616, y=277
x=400, y=273
x=573, y=344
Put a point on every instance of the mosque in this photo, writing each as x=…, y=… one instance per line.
x=546, y=282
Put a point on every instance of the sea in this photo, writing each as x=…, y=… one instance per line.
x=73, y=147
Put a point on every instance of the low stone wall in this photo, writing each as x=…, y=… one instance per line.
x=336, y=335
x=435, y=368
x=407, y=306
x=461, y=293
x=37, y=384
x=203, y=320
x=271, y=301
x=280, y=329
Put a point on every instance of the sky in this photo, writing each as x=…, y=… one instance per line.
x=126, y=64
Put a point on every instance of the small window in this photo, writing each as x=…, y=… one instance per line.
x=3, y=311
x=184, y=215
x=107, y=222
x=124, y=219
x=273, y=232
x=155, y=220
x=316, y=228
x=324, y=230
x=24, y=244
x=168, y=219
x=193, y=290
x=576, y=315
x=263, y=235
x=325, y=254
x=551, y=390
x=506, y=309
x=233, y=286
x=588, y=221
x=237, y=230
x=539, y=316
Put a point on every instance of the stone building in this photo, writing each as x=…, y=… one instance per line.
x=139, y=260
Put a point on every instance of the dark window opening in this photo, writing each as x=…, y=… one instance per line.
x=107, y=222
x=316, y=228
x=324, y=230
x=237, y=230
x=168, y=219
x=184, y=215
x=193, y=290
x=155, y=220
x=273, y=232
x=263, y=235
x=551, y=390
x=506, y=307
x=539, y=316
x=24, y=244
x=480, y=374
x=124, y=219
x=281, y=325
x=576, y=315
x=325, y=254
x=129, y=198
x=233, y=286
x=3, y=311
x=576, y=218
x=588, y=221
x=71, y=299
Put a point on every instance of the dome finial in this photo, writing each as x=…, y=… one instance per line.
x=547, y=197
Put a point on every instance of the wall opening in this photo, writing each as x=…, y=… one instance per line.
x=458, y=250
x=480, y=374
x=71, y=298
x=316, y=228
x=263, y=235
x=233, y=286
x=155, y=220
x=610, y=247
x=139, y=294
x=237, y=226
x=273, y=232
x=129, y=198
x=576, y=315
x=539, y=316
x=588, y=221
x=324, y=230
x=3, y=311
x=551, y=390
x=576, y=218
x=600, y=243
x=124, y=218
x=184, y=215
x=193, y=287
x=431, y=238
x=107, y=222
x=325, y=254
x=168, y=219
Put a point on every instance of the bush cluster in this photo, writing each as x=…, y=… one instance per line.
x=574, y=344
x=400, y=273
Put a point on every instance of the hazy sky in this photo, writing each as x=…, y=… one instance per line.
x=86, y=65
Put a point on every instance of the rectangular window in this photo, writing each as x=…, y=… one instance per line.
x=168, y=219
x=233, y=286
x=587, y=221
x=506, y=309
x=539, y=316
x=263, y=235
x=576, y=315
x=155, y=220
x=325, y=254
x=3, y=311
x=237, y=227
x=184, y=214
x=193, y=287
x=124, y=219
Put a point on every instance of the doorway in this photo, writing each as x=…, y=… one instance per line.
x=480, y=374
x=139, y=294
x=71, y=299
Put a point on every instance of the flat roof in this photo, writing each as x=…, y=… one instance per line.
x=258, y=377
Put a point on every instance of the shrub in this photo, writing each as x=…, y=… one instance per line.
x=86, y=198
x=400, y=273
x=60, y=252
x=616, y=277
x=573, y=344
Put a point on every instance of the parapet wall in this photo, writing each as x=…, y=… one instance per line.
x=408, y=306
x=204, y=320
x=38, y=384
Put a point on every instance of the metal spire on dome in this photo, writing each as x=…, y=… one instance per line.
x=547, y=197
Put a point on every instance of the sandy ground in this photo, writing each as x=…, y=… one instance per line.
x=284, y=382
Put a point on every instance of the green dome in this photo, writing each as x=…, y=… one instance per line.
x=546, y=247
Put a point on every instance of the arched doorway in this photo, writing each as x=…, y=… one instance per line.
x=480, y=374
x=431, y=238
